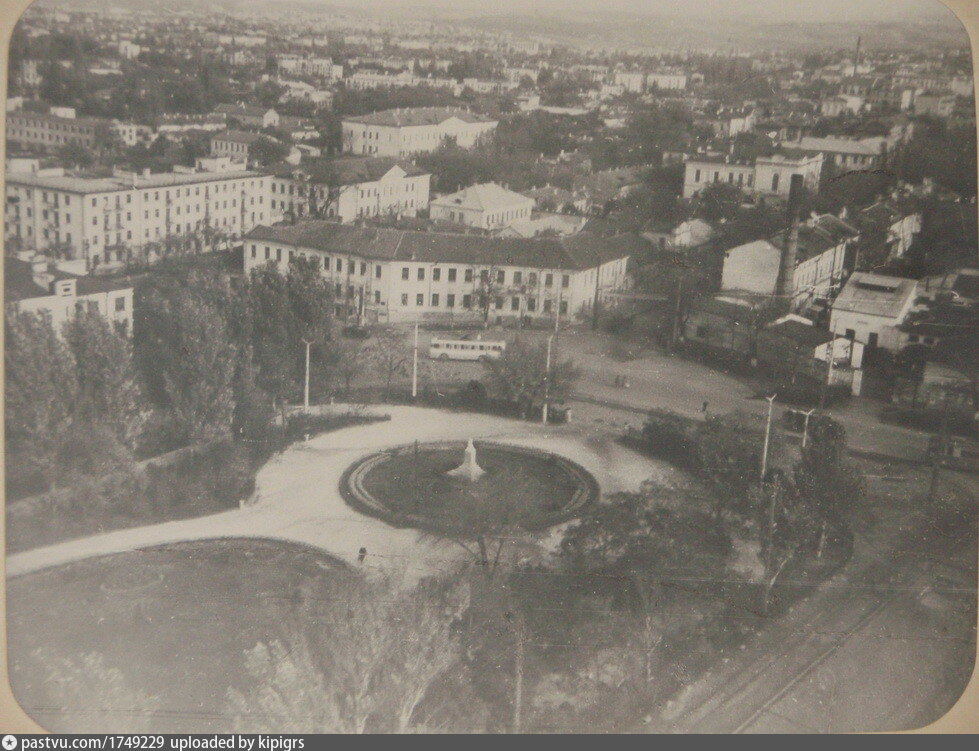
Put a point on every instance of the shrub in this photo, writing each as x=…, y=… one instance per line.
x=671, y=437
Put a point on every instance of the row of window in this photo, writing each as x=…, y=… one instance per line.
x=517, y=276
x=467, y=302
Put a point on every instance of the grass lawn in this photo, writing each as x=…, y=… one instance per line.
x=517, y=488
x=175, y=620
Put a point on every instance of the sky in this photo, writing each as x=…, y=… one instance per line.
x=795, y=10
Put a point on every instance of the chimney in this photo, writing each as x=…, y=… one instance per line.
x=786, y=270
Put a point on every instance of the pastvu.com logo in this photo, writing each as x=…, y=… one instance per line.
x=9, y=742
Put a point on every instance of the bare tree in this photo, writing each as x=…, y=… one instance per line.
x=388, y=351
x=368, y=665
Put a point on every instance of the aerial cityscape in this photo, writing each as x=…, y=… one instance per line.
x=424, y=367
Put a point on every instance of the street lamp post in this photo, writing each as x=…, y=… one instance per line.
x=768, y=431
x=414, y=366
x=307, y=342
x=547, y=378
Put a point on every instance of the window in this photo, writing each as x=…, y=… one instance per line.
x=450, y=301
x=531, y=303
x=351, y=267
x=467, y=301
x=421, y=274
x=435, y=301
x=532, y=279
x=548, y=280
x=517, y=277
x=498, y=303
x=419, y=299
x=405, y=272
x=515, y=303
x=774, y=183
x=547, y=306
x=452, y=275
x=404, y=301
x=564, y=307
x=339, y=264
x=436, y=274
x=501, y=277
x=278, y=254
x=377, y=271
x=469, y=276
x=120, y=303
x=565, y=280
x=363, y=268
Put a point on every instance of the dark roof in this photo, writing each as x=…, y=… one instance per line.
x=238, y=136
x=827, y=232
x=347, y=170
x=417, y=116
x=19, y=284
x=797, y=331
x=580, y=251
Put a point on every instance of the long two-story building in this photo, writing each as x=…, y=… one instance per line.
x=393, y=275
x=420, y=130
x=349, y=188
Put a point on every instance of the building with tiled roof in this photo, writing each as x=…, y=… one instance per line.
x=349, y=188
x=35, y=285
x=416, y=130
x=397, y=275
x=822, y=259
x=485, y=205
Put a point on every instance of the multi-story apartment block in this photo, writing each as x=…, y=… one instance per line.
x=394, y=275
x=33, y=284
x=299, y=65
x=403, y=132
x=666, y=80
x=487, y=206
x=768, y=175
x=349, y=188
x=106, y=220
x=53, y=132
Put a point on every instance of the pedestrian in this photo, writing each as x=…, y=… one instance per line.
x=361, y=555
x=704, y=407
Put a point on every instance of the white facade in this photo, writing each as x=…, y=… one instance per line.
x=487, y=206
x=407, y=290
x=402, y=133
x=108, y=220
x=396, y=193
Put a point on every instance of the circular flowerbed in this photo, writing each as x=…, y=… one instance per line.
x=411, y=486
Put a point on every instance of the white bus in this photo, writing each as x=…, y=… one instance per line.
x=464, y=349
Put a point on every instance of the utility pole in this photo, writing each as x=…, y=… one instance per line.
x=414, y=366
x=676, y=312
x=768, y=432
x=307, y=342
x=805, y=428
x=547, y=378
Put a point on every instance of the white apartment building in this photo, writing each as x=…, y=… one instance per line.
x=300, y=65
x=769, y=175
x=421, y=130
x=32, y=284
x=234, y=144
x=106, y=220
x=487, y=206
x=393, y=275
x=666, y=80
x=351, y=188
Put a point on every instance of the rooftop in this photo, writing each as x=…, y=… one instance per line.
x=875, y=294
x=415, y=116
x=580, y=251
x=89, y=184
x=482, y=197
x=19, y=284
